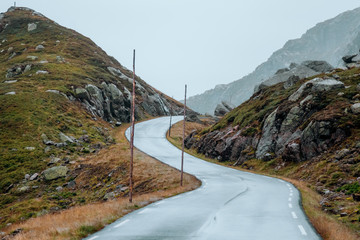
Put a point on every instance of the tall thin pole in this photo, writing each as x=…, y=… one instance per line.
x=170, y=119
x=183, y=142
x=132, y=132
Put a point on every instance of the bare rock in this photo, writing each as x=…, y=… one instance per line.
x=31, y=27
x=34, y=177
x=355, y=108
x=55, y=172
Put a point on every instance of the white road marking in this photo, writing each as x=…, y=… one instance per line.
x=290, y=205
x=288, y=185
x=290, y=194
x=143, y=211
x=289, y=199
x=293, y=214
x=302, y=230
x=290, y=189
x=95, y=237
x=281, y=180
x=122, y=223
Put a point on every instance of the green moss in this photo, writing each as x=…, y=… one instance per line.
x=350, y=188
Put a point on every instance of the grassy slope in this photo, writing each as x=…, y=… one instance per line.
x=153, y=181
x=33, y=111
x=330, y=227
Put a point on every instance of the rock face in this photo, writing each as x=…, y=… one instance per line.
x=223, y=108
x=341, y=35
x=302, y=126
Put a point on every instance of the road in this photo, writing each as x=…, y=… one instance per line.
x=230, y=204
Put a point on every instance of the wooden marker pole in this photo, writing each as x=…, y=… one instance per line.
x=170, y=119
x=132, y=132
x=183, y=142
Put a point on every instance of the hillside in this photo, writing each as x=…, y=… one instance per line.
x=307, y=130
x=61, y=99
x=328, y=41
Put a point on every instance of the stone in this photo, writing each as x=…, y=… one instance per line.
x=42, y=72
x=60, y=59
x=305, y=100
x=109, y=196
x=54, y=160
x=10, y=93
x=32, y=57
x=47, y=149
x=11, y=81
x=27, y=177
x=327, y=85
x=343, y=214
x=340, y=94
x=31, y=27
x=71, y=185
x=82, y=94
x=317, y=84
x=39, y=47
x=10, y=49
x=318, y=66
x=118, y=124
x=84, y=138
x=34, y=177
x=223, y=108
x=355, y=108
x=23, y=189
x=267, y=157
x=55, y=172
x=291, y=81
x=358, y=87
x=30, y=148
x=43, y=61
x=59, y=188
x=64, y=138
x=342, y=153
x=123, y=189
x=27, y=68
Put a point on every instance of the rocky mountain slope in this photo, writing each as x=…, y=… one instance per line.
x=307, y=129
x=60, y=98
x=328, y=41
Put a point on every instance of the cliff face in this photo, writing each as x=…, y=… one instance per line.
x=328, y=41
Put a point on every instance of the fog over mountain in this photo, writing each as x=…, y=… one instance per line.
x=329, y=41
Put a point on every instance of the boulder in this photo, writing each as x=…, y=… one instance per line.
x=39, y=47
x=223, y=108
x=317, y=84
x=30, y=148
x=82, y=94
x=55, y=172
x=109, y=196
x=327, y=85
x=34, y=177
x=31, y=27
x=71, y=185
x=64, y=138
x=27, y=177
x=318, y=66
x=27, y=68
x=42, y=72
x=291, y=81
x=10, y=93
x=355, y=108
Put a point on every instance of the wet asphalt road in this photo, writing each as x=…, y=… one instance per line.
x=230, y=204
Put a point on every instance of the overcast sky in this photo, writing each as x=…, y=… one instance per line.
x=201, y=43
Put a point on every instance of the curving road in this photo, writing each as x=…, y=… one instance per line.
x=230, y=204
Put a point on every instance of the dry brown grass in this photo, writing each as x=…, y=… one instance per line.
x=153, y=181
x=327, y=226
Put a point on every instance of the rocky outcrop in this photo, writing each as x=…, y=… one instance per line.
x=295, y=73
x=223, y=108
x=307, y=123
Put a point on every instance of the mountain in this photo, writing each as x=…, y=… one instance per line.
x=328, y=41
x=306, y=129
x=61, y=98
